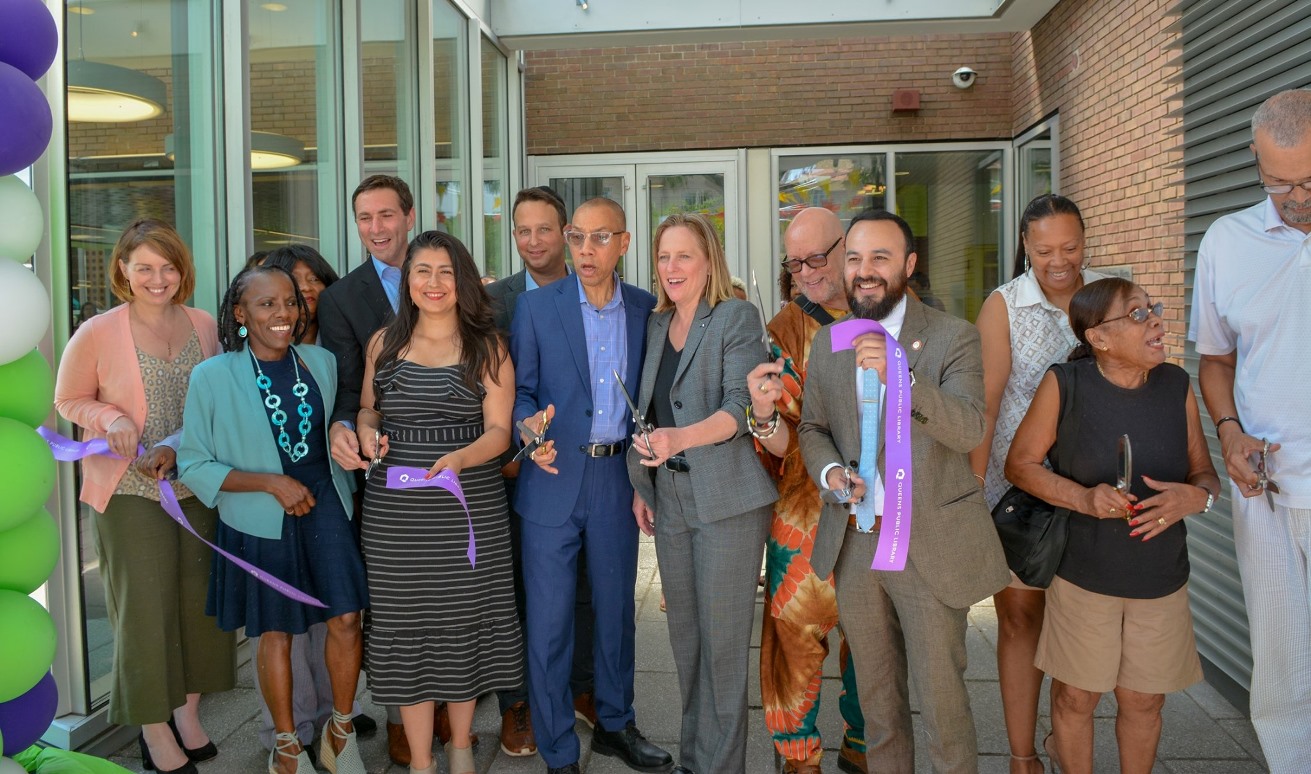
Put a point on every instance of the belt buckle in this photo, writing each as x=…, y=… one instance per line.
x=678, y=464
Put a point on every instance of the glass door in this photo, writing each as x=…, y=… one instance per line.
x=578, y=183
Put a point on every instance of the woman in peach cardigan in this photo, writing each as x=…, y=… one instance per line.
x=123, y=377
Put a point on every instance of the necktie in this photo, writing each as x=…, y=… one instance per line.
x=391, y=285
x=870, y=414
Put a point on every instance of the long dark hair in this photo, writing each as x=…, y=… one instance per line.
x=227, y=321
x=1043, y=206
x=481, y=349
x=1090, y=306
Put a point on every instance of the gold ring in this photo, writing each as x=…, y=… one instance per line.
x=1111, y=511
x=1162, y=520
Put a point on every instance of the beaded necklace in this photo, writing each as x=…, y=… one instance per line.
x=279, y=417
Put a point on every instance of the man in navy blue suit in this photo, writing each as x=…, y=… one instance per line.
x=566, y=340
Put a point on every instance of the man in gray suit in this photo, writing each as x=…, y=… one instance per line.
x=913, y=616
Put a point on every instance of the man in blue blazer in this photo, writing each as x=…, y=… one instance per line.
x=566, y=339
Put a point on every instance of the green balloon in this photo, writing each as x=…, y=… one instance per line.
x=27, y=644
x=27, y=389
x=27, y=474
x=28, y=553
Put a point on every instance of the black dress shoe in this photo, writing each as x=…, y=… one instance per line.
x=365, y=726
x=631, y=747
x=149, y=765
x=681, y=770
x=570, y=769
x=205, y=752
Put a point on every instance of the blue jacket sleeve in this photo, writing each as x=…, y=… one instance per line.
x=198, y=466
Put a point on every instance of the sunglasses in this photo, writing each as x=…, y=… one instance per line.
x=1139, y=314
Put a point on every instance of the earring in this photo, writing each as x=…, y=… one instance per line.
x=242, y=332
x=1026, y=262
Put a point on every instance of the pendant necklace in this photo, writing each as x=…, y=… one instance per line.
x=279, y=417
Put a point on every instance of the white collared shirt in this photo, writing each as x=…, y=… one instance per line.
x=1252, y=294
x=892, y=323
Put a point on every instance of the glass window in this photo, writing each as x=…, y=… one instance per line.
x=846, y=184
x=153, y=152
x=387, y=76
x=450, y=111
x=292, y=121
x=953, y=203
x=495, y=153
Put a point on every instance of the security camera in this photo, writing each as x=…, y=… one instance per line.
x=964, y=78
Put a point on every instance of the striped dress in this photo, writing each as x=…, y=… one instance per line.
x=442, y=630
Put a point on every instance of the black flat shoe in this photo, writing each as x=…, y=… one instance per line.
x=365, y=726
x=205, y=752
x=149, y=765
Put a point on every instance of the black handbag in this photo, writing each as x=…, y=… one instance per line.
x=1033, y=532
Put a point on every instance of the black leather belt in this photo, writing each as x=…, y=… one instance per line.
x=678, y=464
x=603, y=449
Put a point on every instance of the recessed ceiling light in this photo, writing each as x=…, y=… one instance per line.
x=274, y=7
x=81, y=10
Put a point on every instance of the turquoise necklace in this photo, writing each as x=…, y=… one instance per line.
x=279, y=417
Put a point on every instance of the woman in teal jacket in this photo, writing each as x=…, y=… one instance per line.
x=255, y=447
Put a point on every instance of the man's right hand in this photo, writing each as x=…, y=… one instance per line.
x=345, y=447
x=837, y=479
x=1237, y=448
x=537, y=421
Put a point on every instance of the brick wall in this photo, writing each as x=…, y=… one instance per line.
x=1107, y=67
x=768, y=93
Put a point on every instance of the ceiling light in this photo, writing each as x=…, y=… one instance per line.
x=274, y=7
x=81, y=10
x=582, y=4
x=99, y=92
x=267, y=151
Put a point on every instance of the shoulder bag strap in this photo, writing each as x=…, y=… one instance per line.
x=817, y=312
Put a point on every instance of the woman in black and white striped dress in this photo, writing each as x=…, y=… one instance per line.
x=441, y=387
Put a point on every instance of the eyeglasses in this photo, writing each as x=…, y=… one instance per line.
x=599, y=238
x=1138, y=315
x=1281, y=188
x=816, y=261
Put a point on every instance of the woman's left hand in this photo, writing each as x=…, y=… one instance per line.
x=1159, y=512
x=665, y=443
x=766, y=388
x=156, y=463
x=449, y=462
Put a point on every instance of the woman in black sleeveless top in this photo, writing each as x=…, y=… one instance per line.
x=1117, y=612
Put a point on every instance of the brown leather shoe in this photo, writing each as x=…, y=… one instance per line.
x=585, y=708
x=851, y=760
x=442, y=728
x=398, y=748
x=517, y=731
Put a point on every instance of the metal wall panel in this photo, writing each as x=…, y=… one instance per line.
x=1236, y=53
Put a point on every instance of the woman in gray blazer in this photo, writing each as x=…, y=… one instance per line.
x=699, y=486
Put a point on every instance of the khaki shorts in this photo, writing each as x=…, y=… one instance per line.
x=1096, y=643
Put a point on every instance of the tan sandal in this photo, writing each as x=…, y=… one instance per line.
x=348, y=761
x=459, y=760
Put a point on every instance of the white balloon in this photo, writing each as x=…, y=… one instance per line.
x=10, y=766
x=24, y=311
x=21, y=220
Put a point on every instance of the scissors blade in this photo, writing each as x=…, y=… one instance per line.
x=532, y=445
x=764, y=323
x=1124, y=480
x=638, y=417
x=377, y=459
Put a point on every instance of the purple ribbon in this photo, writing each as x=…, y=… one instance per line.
x=894, y=537
x=401, y=477
x=68, y=450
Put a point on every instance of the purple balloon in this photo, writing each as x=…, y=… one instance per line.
x=23, y=720
x=25, y=132
x=28, y=38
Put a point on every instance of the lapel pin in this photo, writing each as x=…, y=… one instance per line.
x=916, y=344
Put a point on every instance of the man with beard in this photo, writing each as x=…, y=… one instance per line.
x=911, y=614
x=800, y=608
x=1250, y=302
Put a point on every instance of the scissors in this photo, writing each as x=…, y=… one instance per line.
x=1124, y=479
x=377, y=454
x=1263, y=480
x=842, y=495
x=643, y=426
x=530, y=448
x=764, y=324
